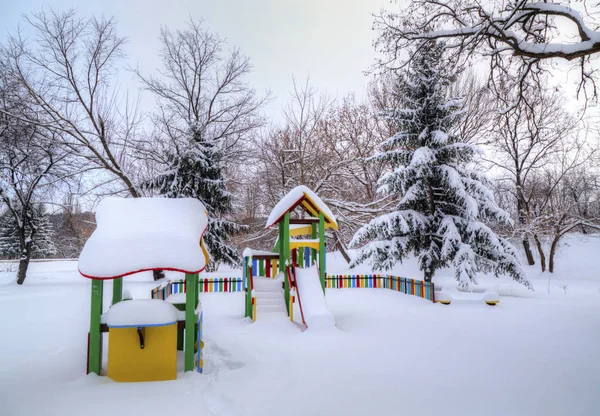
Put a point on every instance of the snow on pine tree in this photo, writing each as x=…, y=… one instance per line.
x=197, y=172
x=444, y=204
x=42, y=244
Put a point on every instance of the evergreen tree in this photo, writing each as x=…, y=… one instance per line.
x=444, y=205
x=41, y=235
x=197, y=172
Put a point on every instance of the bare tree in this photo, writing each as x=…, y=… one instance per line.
x=295, y=154
x=326, y=146
x=526, y=140
x=30, y=162
x=68, y=69
x=516, y=35
x=203, y=84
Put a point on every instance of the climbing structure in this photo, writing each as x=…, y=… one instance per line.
x=301, y=218
x=135, y=235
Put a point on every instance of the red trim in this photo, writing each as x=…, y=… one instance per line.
x=170, y=269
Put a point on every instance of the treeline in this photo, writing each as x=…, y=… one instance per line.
x=67, y=132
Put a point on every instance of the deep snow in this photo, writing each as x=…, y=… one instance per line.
x=533, y=354
x=135, y=234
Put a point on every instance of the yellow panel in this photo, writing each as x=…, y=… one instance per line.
x=304, y=243
x=206, y=256
x=156, y=362
x=307, y=229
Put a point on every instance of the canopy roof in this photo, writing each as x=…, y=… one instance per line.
x=139, y=234
x=308, y=200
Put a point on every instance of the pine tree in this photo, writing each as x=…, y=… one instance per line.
x=41, y=237
x=445, y=207
x=197, y=172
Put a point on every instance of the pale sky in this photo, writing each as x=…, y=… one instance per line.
x=330, y=40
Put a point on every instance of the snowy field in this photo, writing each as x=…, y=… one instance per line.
x=535, y=353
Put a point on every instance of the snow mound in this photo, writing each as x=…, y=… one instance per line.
x=292, y=199
x=141, y=312
x=138, y=234
x=453, y=295
x=314, y=306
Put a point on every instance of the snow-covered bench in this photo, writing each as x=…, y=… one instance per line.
x=450, y=294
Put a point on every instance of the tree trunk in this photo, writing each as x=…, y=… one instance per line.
x=427, y=275
x=552, y=252
x=158, y=274
x=528, y=252
x=540, y=252
x=23, y=265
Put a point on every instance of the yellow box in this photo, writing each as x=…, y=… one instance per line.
x=157, y=361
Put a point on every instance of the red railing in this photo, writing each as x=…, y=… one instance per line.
x=291, y=274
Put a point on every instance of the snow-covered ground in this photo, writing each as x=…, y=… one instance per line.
x=533, y=354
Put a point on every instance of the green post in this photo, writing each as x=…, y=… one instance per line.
x=95, y=350
x=301, y=256
x=248, y=308
x=191, y=299
x=313, y=251
x=284, y=237
x=261, y=267
x=322, y=271
x=117, y=290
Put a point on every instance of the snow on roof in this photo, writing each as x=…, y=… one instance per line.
x=138, y=234
x=141, y=312
x=296, y=195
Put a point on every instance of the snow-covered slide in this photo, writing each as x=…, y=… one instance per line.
x=310, y=294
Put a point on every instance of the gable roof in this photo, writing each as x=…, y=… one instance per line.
x=308, y=200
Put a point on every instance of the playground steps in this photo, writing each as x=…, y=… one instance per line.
x=269, y=297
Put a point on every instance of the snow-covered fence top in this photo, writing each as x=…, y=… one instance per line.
x=139, y=234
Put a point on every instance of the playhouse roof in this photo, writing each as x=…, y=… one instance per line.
x=307, y=199
x=139, y=234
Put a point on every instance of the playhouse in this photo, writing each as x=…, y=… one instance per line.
x=144, y=335
x=298, y=259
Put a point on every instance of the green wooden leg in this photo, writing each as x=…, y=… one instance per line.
x=117, y=290
x=322, y=250
x=313, y=252
x=191, y=297
x=95, y=352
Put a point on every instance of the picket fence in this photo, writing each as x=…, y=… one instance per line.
x=405, y=285
x=205, y=285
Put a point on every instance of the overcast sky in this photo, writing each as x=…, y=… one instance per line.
x=330, y=40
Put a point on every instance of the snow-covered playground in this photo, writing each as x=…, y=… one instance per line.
x=532, y=354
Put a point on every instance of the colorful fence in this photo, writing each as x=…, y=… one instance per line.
x=303, y=256
x=213, y=285
x=265, y=267
x=162, y=292
x=413, y=287
x=405, y=285
x=205, y=285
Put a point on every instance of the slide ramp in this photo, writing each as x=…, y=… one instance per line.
x=310, y=294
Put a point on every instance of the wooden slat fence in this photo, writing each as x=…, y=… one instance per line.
x=405, y=285
x=205, y=285
x=162, y=292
